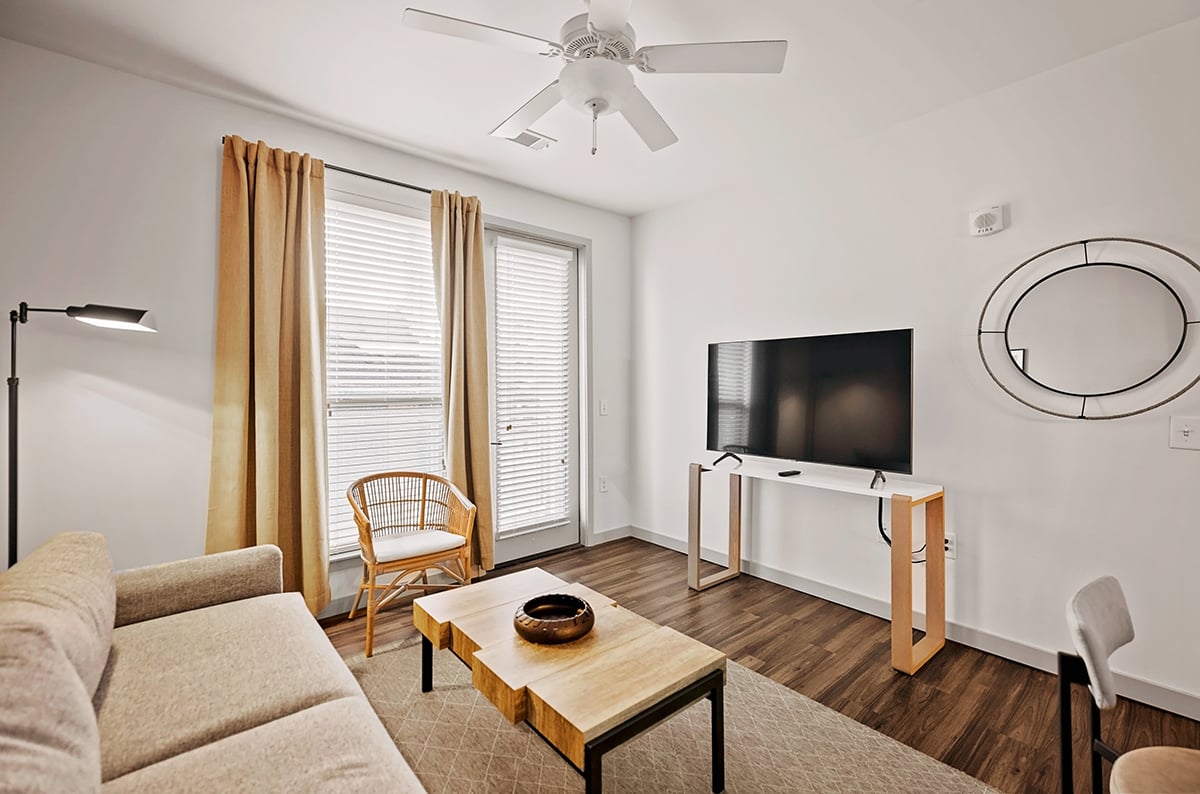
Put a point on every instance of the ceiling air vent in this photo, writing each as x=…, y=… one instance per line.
x=533, y=140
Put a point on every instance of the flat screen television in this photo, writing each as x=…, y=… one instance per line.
x=842, y=399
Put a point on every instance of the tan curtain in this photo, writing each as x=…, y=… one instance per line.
x=457, y=223
x=268, y=462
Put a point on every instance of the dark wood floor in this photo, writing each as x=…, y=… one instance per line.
x=992, y=718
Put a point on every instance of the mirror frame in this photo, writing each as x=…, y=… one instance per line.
x=982, y=331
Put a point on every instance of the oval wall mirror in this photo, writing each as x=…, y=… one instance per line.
x=1095, y=329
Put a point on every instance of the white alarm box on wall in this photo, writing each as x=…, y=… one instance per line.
x=986, y=221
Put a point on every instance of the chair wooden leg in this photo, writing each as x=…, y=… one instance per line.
x=371, y=606
x=358, y=596
x=357, y=599
x=464, y=564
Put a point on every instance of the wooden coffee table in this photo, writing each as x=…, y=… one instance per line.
x=585, y=697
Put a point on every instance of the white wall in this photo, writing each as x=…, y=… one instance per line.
x=872, y=236
x=111, y=190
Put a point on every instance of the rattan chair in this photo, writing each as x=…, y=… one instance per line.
x=408, y=524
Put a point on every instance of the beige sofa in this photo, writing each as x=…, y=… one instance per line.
x=197, y=675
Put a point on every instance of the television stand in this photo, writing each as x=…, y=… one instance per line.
x=733, y=455
x=877, y=478
x=907, y=657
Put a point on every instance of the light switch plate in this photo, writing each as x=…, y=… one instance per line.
x=1185, y=432
x=604, y=407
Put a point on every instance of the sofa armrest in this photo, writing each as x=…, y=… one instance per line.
x=158, y=590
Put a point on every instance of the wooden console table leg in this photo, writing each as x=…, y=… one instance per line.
x=734, y=567
x=907, y=657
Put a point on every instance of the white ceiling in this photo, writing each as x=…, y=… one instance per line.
x=853, y=67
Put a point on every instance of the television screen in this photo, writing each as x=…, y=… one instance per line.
x=843, y=399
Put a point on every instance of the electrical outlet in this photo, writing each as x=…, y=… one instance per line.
x=603, y=484
x=951, y=546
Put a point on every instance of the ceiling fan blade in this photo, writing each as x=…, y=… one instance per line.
x=646, y=122
x=463, y=29
x=530, y=112
x=717, y=57
x=609, y=16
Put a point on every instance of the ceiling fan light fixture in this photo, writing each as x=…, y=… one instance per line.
x=595, y=85
x=599, y=48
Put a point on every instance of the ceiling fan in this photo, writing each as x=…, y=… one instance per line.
x=599, y=47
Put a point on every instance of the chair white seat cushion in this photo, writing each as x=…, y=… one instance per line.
x=389, y=548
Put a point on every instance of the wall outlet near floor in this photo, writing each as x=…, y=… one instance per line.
x=603, y=484
x=951, y=546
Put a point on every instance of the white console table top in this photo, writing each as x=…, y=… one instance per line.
x=814, y=477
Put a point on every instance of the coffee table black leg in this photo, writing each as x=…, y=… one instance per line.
x=717, y=698
x=591, y=771
x=426, y=665
x=712, y=686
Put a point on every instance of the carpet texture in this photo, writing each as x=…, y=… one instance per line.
x=776, y=740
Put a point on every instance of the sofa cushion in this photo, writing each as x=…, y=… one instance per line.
x=336, y=746
x=184, y=680
x=66, y=587
x=48, y=736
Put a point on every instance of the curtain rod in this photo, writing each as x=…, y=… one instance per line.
x=364, y=175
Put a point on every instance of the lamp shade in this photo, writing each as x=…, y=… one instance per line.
x=114, y=317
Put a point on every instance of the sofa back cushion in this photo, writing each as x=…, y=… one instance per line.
x=66, y=591
x=49, y=738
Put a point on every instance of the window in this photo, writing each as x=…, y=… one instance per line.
x=383, y=355
x=383, y=367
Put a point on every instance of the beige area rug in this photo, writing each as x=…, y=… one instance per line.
x=776, y=740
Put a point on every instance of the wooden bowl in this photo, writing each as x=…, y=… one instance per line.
x=554, y=618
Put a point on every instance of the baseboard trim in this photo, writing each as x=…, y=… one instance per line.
x=608, y=535
x=337, y=607
x=1147, y=692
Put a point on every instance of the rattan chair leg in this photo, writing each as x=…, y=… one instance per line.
x=370, y=616
x=362, y=586
x=464, y=564
x=357, y=599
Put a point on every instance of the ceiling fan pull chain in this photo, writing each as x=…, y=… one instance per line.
x=595, y=115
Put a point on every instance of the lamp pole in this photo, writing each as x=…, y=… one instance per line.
x=13, y=317
x=93, y=314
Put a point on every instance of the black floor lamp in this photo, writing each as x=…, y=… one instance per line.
x=93, y=314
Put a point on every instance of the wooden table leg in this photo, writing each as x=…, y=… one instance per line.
x=907, y=657
x=733, y=567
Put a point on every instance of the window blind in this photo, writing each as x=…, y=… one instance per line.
x=532, y=350
x=383, y=354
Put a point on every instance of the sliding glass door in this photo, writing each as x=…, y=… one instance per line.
x=535, y=394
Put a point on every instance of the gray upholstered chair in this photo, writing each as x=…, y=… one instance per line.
x=1099, y=620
